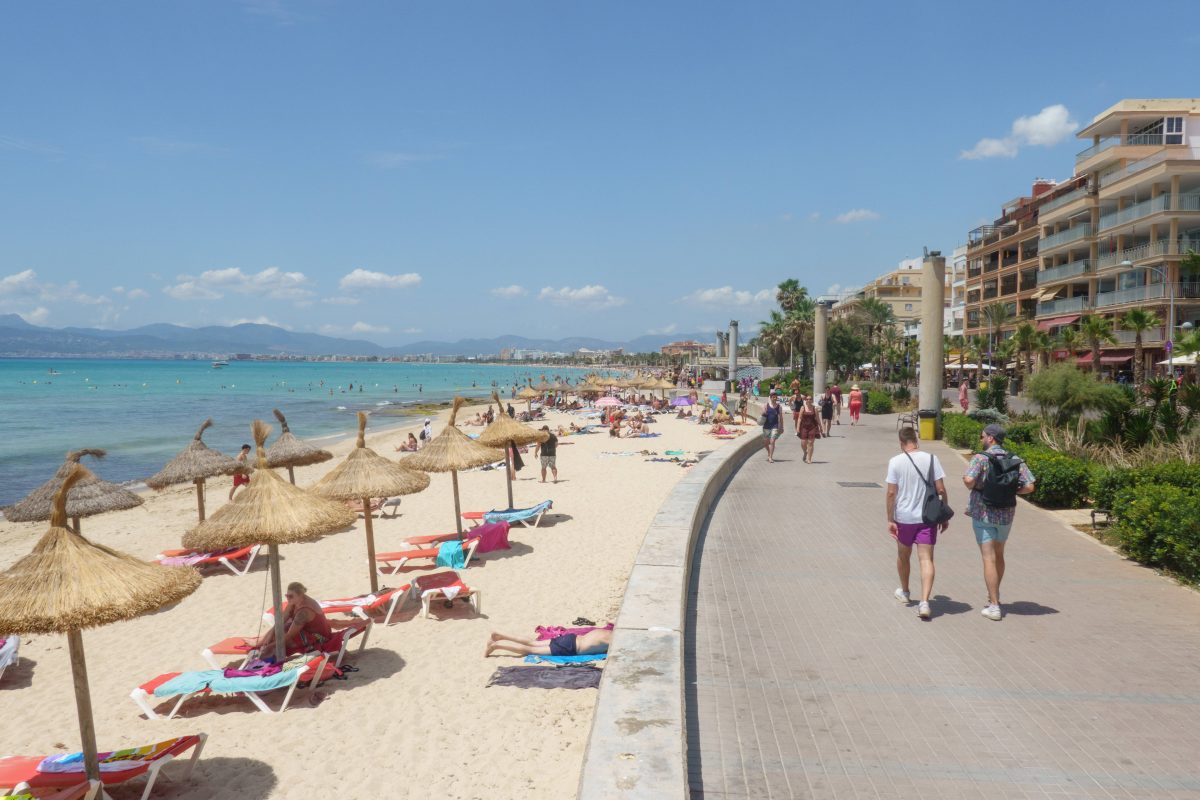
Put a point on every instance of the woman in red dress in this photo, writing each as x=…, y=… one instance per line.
x=809, y=428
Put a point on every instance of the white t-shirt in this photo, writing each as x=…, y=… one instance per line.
x=911, y=490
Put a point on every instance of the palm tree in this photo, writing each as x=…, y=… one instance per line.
x=1070, y=340
x=1096, y=331
x=1044, y=344
x=997, y=316
x=877, y=317
x=1139, y=320
x=789, y=294
x=956, y=342
x=977, y=346
x=771, y=336
x=1024, y=339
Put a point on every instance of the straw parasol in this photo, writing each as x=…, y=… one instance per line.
x=364, y=474
x=505, y=432
x=451, y=451
x=527, y=394
x=89, y=497
x=290, y=452
x=543, y=386
x=270, y=511
x=68, y=584
x=195, y=463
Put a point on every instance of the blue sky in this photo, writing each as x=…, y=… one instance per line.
x=400, y=171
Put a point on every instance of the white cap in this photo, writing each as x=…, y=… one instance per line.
x=427, y=419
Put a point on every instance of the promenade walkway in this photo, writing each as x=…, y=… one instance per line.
x=806, y=679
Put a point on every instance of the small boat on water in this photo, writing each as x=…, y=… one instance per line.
x=53, y=371
x=219, y=364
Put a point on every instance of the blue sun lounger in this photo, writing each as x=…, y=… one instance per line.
x=529, y=517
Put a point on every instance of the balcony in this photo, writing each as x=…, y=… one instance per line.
x=1152, y=336
x=1064, y=271
x=1131, y=140
x=1159, y=247
x=989, y=294
x=1059, y=202
x=1109, y=178
x=1065, y=237
x=1068, y=305
x=1138, y=294
x=1136, y=211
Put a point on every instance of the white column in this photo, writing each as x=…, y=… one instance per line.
x=933, y=294
x=820, y=337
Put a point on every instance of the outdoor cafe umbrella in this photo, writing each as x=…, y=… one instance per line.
x=68, y=584
x=451, y=451
x=288, y=451
x=364, y=474
x=194, y=463
x=269, y=511
x=505, y=432
x=90, y=495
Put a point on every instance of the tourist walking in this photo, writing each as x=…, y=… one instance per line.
x=837, y=401
x=995, y=478
x=856, y=403
x=962, y=394
x=797, y=403
x=826, y=411
x=547, y=451
x=772, y=425
x=907, y=489
x=808, y=428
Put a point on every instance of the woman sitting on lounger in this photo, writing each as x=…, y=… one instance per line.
x=304, y=623
x=409, y=446
x=583, y=644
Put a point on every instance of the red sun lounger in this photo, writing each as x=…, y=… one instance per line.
x=449, y=587
x=335, y=647
x=201, y=559
x=252, y=688
x=391, y=563
x=23, y=770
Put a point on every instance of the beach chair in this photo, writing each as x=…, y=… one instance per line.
x=10, y=652
x=33, y=772
x=186, y=685
x=357, y=506
x=513, y=515
x=201, y=559
x=392, y=563
x=492, y=536
x=449, y=587
x=87, y=790
x=335, y=647
x=361, y=606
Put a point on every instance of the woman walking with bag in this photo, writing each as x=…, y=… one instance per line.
x=772, y=425
x=808, y=429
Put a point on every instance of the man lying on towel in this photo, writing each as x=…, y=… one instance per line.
x=570, y=644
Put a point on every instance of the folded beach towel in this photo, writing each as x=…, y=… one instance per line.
x=112, y=761
x=492, y=536
x=8, y=651
x=536, y=659
x=188, y=682
x=578, y=676
x=450, y=554
x=517, y=514
x=262, y=683
x=545, y=632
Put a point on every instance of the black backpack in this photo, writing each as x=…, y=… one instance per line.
x=1003, y=479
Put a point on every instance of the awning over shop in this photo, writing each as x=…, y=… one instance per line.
x=1119, y=357
x=1054, y=322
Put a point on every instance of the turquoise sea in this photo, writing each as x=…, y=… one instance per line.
x=144, y=412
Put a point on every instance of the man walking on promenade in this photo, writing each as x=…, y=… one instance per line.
x=907, y=489
x=836, y=390
x=995, y=478
x=772, y=424
x=547, y=451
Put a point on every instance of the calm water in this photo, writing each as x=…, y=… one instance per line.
x=144, y=412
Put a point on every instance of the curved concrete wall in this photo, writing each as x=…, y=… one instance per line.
x=638, y=743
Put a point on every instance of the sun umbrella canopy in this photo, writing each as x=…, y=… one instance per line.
x=365, y=473
x=288, y=451
x=681, y=401
x=505, y=429
x=452, y=450
x=608, y=401
x=542, y=386
x=269, y=511
x=196, y=462
x=88, y=497
x=528, y=393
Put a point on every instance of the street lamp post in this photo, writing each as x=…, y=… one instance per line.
x=1170, y=314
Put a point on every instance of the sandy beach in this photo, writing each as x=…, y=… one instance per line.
x=416, y=720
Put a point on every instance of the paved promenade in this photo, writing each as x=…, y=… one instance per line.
x=806, y=679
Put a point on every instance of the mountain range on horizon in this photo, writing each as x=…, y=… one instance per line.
x=19, y=338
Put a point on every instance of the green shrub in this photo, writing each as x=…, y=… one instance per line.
x=1106, y=483
x=1023, y=432
x=959, y=430
x=1061, y=481
x=988, y=416
x=902, y=394
x=879, y=403
x=1160, y=526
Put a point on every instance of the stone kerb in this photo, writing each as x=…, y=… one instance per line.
x=637, y=747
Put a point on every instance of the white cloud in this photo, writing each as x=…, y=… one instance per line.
x=366, y=279
x=397, y=160
x=411, y=330
x=271, y=282
x=509, y=291
x=25, y=286
x=363, y=327
x=131, y=294
x=340, y=300
x=260, y=320
x=329, y=330
x=1046, y=128
x=591, y=296
x=37, y=316
x=856, y=215
x=728, y=296
x=664, y=330
x=814, y=216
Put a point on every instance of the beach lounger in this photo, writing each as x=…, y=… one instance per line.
x=392, y=563
x=200, y=558
x=186, y=685
x=449, y=587
x=10, y=652
x=335, y=647
x=513, y=515
x=87, y=790
x=115, y=767
x=492, y=536
x=361, y=606
x=376, y=504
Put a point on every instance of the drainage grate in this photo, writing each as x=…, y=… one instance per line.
x=858, y=485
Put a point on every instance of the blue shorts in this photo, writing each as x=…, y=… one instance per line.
x=770, y=434
x=990, y=531
x=563, y=645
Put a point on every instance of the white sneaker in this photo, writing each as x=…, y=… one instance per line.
x=923, y=610
x=902, y=597
x=992, y=613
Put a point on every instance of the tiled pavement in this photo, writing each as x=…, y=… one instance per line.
x=806, y=679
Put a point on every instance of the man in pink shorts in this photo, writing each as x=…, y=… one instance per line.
x=906, y=492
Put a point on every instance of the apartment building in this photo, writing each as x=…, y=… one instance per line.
x=900, y=288
x=1003, y=261
x=1115, y=241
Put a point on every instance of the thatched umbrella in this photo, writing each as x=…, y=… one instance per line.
x=543, y=386
x=527, y=394
x=270, y=511
x=364, y=474
x=89, y=497
x=290, y=452
x=68, y=584
x=506, y=433
x=195, y=463
x=450, y=451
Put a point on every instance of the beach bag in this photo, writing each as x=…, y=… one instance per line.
x=934, y=511
x=1003, y=479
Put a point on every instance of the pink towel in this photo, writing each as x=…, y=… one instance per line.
x=554, y=631
x=492, y=536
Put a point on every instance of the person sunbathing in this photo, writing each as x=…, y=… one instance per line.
x=583, y=644
x=409, y=446
x=304, y=623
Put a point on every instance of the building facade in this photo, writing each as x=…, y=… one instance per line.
x=900, y=288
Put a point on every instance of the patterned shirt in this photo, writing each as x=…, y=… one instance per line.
x=976, y=508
